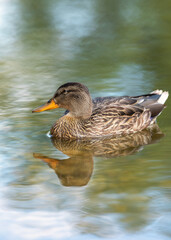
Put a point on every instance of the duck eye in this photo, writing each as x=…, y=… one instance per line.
x=64, y=92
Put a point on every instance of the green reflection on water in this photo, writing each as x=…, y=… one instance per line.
x=115, y=48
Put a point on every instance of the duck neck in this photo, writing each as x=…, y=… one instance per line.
x=81, y=111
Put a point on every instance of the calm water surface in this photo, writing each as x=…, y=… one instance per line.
x=106, y=189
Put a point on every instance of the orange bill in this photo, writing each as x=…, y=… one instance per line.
x=47, y=106
x=51, y=161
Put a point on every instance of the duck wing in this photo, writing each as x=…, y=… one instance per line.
x=153, y=101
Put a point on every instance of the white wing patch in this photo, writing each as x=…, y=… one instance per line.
x=163, y=98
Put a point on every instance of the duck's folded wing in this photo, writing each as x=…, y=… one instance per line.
x=153, y=101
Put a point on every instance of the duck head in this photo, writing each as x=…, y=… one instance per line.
x=72, y=96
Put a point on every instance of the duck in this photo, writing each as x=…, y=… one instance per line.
x=102, y=116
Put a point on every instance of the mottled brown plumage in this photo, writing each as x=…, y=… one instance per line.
x=104, y=116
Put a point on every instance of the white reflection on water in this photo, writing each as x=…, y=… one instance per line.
x=31, y=225
x=76, y=21
x=36, y=225
x=72, y=25
x=9, y=26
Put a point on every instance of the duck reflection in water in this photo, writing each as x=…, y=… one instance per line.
x=78, y=168
x=74, y=171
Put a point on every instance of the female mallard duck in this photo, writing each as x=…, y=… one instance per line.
x=104, y=116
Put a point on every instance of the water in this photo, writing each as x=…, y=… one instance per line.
x=66, y=190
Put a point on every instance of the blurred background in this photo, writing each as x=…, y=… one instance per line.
x=114, y=47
